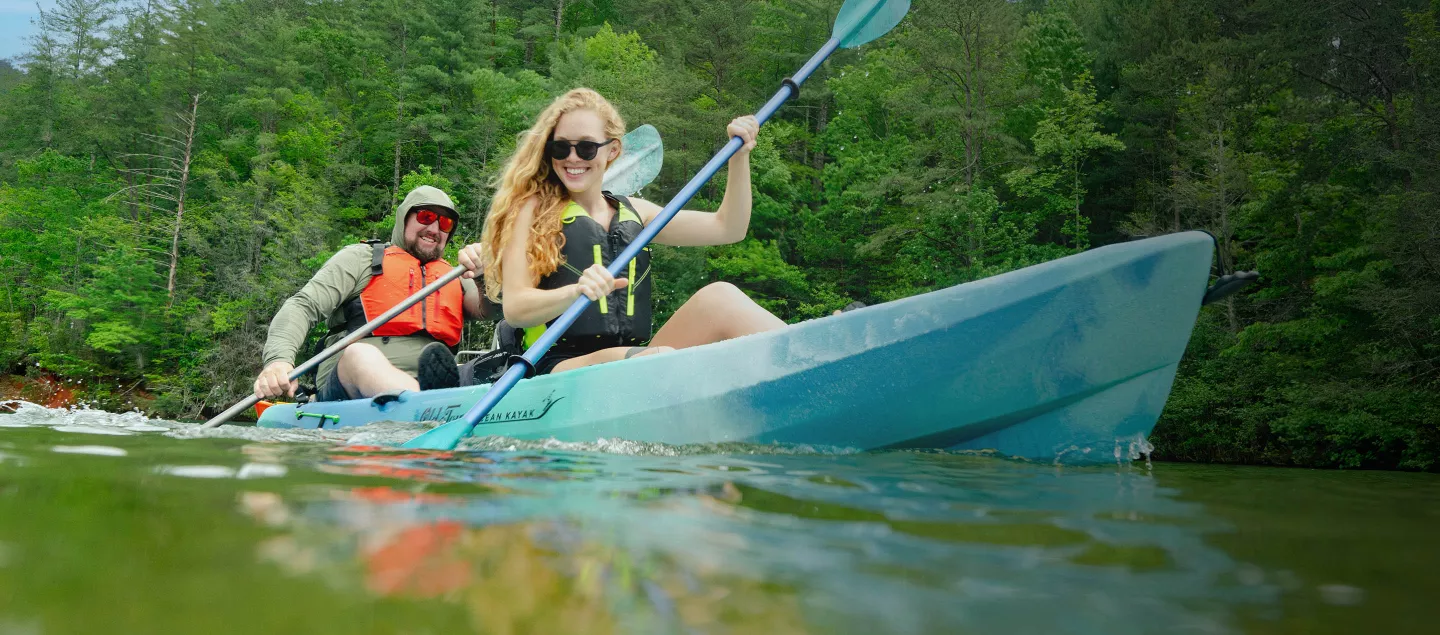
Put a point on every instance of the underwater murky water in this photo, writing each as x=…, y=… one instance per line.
x=119, y=524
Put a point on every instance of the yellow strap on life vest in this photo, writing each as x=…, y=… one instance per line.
x=603, y=308
x=574, y=210
x=627, y=214
x=630, y=297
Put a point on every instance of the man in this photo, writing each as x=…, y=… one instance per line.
x=413, y=351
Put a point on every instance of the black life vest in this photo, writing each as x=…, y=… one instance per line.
x=621, y=318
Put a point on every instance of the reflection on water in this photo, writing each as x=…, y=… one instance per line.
x=339, y=532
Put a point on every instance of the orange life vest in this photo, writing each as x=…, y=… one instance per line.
x=441, y=314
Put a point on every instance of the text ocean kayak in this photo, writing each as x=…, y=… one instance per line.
x=1062, y=359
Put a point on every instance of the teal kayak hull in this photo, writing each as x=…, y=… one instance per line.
x=1070, y=359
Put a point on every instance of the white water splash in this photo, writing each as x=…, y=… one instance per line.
x=196, y=471
x=1342, y=594
x=112, y=431
x=247, y=471
x=261, y=470
x=83, y=419
x=1126, y=450
x=1132, y=448
x=1074, y=453
x=641, y=448
x=97, y=450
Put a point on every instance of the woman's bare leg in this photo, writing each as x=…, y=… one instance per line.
x=718, y=312
x=607, y=355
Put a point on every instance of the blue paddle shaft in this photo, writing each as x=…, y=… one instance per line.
x=553, y=332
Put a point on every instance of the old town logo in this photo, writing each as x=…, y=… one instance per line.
x=451, y=412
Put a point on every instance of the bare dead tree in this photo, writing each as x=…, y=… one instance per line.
x=399, y=114
x=160, y=185
x=559, y=18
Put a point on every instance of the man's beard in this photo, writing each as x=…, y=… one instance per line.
x=426, y=254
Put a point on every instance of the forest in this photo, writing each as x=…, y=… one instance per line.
x=172, y=170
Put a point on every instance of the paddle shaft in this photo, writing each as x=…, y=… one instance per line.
x=516, y=372
x=345, y=341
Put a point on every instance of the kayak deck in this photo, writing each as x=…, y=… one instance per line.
x=1058, y=359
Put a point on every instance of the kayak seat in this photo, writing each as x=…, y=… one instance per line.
x=1228, y=284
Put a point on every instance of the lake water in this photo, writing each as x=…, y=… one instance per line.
x=114, y=523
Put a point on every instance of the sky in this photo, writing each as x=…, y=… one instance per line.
x=15, y=25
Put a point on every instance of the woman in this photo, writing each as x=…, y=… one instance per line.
x=551, y=232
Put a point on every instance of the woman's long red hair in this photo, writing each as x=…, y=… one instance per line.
x=528, y=176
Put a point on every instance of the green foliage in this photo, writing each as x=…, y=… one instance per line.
x=980, y=136
x=1053, y=51
x=758, y=268
x=1064, y=139
x=424, y=176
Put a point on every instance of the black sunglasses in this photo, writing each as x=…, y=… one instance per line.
x=560, y=150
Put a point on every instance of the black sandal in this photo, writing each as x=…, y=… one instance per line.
x=437, y=367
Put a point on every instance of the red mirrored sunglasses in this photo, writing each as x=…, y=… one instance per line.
x=427, y=216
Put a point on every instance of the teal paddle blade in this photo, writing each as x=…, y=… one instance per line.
x=442, y=437
x=860, y=21
x=639, y=162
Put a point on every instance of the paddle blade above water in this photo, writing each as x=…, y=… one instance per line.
x=442, y=437
x=860, y=21
x=639, y=162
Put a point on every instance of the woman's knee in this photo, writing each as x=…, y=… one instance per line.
x=721, y=293
x=652, y=350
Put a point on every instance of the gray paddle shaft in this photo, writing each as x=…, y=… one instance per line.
x=330, y=351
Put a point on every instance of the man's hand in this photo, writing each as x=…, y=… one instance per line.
x=471, y=258
x=274, y=381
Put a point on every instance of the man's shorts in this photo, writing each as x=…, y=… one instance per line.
x=330, y=388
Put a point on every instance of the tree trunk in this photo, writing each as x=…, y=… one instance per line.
x=1227, y=261
x=130, y=185
x=494, y=30
x=973, y=71
x=399, y=117
x=1392, y=122
x=180, y=196
x=1175, y=200
x=1075, y=191
x=559, y=18
x=817, y=160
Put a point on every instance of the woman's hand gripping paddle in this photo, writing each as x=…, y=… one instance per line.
x=636, y=168
x=858, y=22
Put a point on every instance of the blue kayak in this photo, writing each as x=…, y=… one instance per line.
x=1067, y=359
